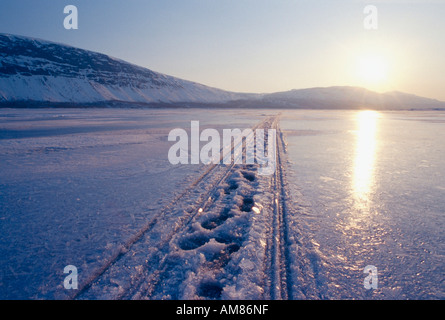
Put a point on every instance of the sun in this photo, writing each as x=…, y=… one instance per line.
x=372, y=69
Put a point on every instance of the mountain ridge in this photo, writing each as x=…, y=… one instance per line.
x=40, y=70
x=36, y=72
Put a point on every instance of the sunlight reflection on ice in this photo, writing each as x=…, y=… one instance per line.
x=365, y=154
x=363, y=172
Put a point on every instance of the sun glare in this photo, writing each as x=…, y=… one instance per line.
x=372, y=69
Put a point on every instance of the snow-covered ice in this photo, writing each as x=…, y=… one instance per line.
x=94, y=188
x=369, y=188
x=76, y=184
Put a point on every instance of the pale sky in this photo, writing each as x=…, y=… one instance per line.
x=255, y=45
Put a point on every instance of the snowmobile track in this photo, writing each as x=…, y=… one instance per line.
x=280, y=271
x=209, y=182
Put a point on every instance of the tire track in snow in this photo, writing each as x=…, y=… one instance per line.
x=209, y=242
x=208, y=235
x=211, y=237
x=295, y=261
x=118, y=278
x=279, y=246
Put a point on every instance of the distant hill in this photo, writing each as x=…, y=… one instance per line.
x=38, y=73
x=349, y=98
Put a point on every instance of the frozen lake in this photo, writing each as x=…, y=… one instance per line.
x=75, y=184
x=373, y=193
x=368, y=188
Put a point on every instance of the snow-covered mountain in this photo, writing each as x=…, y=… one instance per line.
x=42, y=73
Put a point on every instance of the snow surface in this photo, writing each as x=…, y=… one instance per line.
x=77, y=187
